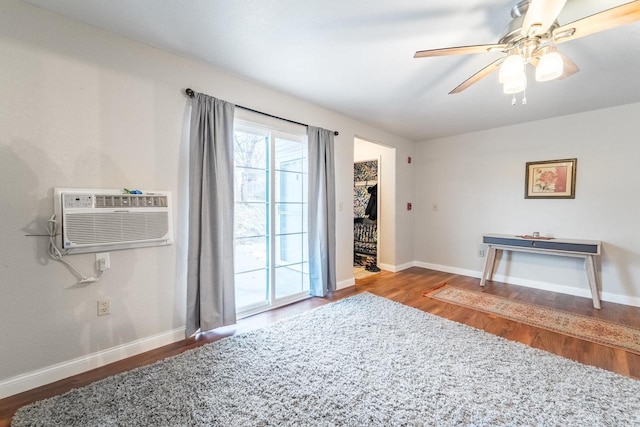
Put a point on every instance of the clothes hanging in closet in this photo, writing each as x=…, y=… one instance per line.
x=372, y=207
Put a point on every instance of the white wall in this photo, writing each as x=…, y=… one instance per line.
x=387, y=242
x=80, y=107
x=477, y=181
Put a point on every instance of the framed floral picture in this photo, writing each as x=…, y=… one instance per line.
x=551, y=179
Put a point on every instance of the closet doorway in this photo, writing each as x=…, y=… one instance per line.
x=365, y=218
x=373, y=202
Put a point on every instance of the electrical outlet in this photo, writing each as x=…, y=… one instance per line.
x=103, y=262
x=104, y=307
x=434, y=207
x=481, y=252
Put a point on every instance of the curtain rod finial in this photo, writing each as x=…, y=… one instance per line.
x=336, y=133
x=190, y=92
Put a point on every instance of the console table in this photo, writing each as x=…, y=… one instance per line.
x=587, y=249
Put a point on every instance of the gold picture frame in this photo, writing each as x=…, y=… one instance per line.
x=551, y=179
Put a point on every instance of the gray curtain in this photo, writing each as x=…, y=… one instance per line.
x=210, y=274
x=322, y=212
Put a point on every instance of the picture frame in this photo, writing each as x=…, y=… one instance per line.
x=551, y=179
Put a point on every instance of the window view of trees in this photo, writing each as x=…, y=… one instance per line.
x=250, y=156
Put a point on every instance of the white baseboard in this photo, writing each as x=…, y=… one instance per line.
x=545, y=286
x=396, y=268
x=345, y=283
x=82, y=364
x=448, y=269
x=386, y=267
x=620, y=299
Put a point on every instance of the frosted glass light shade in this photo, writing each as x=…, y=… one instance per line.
x=515, y=84
x=550, y=67
x=511, y=68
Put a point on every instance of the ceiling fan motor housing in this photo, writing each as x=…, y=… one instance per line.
x=512, y=33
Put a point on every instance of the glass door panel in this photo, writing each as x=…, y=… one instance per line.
x=290, y=237
x=289, y=280
x=252, y=289
x=270, y=224
x=251, y=219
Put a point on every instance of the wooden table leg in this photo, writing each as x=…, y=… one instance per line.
x=593, y=281
x=488, y=265
x=492, y=263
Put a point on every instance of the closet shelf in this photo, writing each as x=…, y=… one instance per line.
x=365, y=183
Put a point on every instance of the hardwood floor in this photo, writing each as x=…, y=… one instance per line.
x=407, y=288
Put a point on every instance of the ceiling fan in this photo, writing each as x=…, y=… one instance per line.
x=531, y=38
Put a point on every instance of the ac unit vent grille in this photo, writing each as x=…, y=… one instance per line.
x=115, y=227
x=130, y=201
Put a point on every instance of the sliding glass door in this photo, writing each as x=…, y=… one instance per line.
x=271, y=200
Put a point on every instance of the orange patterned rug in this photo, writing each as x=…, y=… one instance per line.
x=583, y=327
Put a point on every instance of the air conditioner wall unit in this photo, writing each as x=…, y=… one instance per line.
x=97, y=220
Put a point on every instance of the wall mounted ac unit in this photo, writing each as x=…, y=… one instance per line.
x=91, y=220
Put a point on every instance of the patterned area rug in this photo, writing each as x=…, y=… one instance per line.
x=583, y=327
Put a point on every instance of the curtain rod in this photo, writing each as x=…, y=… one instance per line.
x=191, y=94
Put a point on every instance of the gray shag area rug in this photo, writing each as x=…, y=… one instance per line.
x=362, y=361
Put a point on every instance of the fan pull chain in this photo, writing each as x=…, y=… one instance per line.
x=513, y=100
x=524, y=97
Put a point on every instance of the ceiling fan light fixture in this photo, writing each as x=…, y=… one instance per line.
x=530, y=38
x=511, y=68
x=550, y=67
x=515, y=84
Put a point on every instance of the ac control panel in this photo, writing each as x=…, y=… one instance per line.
x=77, y=201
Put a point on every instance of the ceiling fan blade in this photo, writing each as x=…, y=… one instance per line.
x=541, y=14
x=478, y=76
x=611, y=18
x=460, y=50
x=569, y=68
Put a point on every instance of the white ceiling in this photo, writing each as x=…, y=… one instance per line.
x=356, y=57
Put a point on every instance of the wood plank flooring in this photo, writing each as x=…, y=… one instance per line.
x=405, y=287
